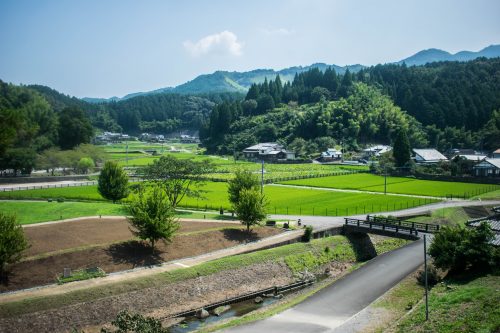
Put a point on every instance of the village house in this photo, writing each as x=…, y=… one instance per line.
x=375, y=151
x=428, y=156
x=268, y=151
x=489, y=167
x=331, y=154
x=496, y=153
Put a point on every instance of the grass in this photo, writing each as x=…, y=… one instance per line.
x=29, y=305
x=289, y=201
x=493, y=195
x=399, y=185
x=469, y=305
x=447, y=216
x=83, y=274
x=41, y=211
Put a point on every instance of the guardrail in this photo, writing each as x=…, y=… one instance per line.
x=380, y=226
x=419, y=226
x=39, y=187
x=273, y=290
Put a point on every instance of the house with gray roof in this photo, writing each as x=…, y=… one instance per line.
x=489, y=167
x=268, y=151
x=428, y=156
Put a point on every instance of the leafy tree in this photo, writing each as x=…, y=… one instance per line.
x=19, y=159
x=12, y=241
x=458, y=248
x=243, y=179
x=178, y=177
x=113, y=182
x=85, y=164
x=324, y=142
x=74, y=128
x=50, y=160
x=250, y=208
x=153, y=216
x=126, y=322
x=401, y=149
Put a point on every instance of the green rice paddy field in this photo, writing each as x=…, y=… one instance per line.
x=281, y=200
x=399, y=185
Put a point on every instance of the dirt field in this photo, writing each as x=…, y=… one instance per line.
x=118, y=256
x=67, y=235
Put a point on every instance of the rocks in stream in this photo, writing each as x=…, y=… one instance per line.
x=221, y=309
x=258, y=300
x=201, y=314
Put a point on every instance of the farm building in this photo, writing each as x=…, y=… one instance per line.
x=489, y=167
x=331, y=154
x=496, y=153
x=268, y=151
x=428, y=156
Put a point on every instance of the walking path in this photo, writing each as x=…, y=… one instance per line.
x=363, y=192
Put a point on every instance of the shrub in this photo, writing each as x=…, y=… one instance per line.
x=308, y=231
x=60, y=199
x=432, y=276
x=12, y=241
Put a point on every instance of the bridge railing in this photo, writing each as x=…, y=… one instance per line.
x=381, y=226
x=423, y=227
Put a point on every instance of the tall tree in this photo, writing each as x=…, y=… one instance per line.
x=178, y=177
x=113, y=182
x=250, y=208
x=243, y=179
x=153, y=216
x=12, y=241
x=74, y=128
x=401, y=149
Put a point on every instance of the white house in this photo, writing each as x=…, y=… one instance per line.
x=428, y=156
x=376, y=151
x=331, y=154
x=489, y=167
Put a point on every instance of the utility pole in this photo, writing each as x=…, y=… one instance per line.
x=426, y=289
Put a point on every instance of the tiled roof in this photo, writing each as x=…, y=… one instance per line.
x=430, y=154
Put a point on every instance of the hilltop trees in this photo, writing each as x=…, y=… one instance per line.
x=12, y=241
x=75, y=128
x=113, y=182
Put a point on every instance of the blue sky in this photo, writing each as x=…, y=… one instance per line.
x=114, y=47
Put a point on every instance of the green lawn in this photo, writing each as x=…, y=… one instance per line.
x=41, y=211
x=401, y=185
x=446, y=216
x=458, y=306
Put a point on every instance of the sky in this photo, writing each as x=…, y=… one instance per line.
x=96, y=48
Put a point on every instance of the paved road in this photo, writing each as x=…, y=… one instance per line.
x=332, y=306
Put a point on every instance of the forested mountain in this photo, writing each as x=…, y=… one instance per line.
x=224, y=81
x=436, y=55
x=455, y=94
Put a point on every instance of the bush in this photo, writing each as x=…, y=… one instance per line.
x=308, y=231
x=432, y=276
x=458, y=248
x=12, y=241
x=60, y=199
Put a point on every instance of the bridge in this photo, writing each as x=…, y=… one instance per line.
x=388, y=226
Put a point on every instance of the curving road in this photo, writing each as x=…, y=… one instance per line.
x=336, y=304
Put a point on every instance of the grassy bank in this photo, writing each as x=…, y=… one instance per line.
x=458, y=305
x=339, y=245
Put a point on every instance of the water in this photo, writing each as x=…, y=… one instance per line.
x=237, y=310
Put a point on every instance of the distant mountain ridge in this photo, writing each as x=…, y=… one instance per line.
x=224, y=81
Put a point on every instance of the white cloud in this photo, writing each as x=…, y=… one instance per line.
x=278, y=31
x=225, y=42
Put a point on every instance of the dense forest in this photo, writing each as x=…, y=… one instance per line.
x=448, y=105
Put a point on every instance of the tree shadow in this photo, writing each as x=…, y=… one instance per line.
x=135, y=253
x=362, y=245
x=240, y=235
